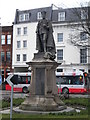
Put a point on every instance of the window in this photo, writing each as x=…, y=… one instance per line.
x=18, y=57
x=59, y=70
x=39, y=15
x=2, y=39
x=21, y=17
x=2, y=56
x=61, y=16
x=83, y=36
x=60, y=54
x=24, y=57
x=18, y=31
x=18, y=44
x=8, y=39
x=24, y=79
x=25, y=30
x=25, y=43
x=71, y=80
x=83, y=55
x=60, y=37
x=84, y=14
x=8, y=56
x=24, y=17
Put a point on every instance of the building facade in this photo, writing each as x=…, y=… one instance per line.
x=73, y=55
x=6, y=38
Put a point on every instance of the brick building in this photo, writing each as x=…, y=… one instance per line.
x=6, y=50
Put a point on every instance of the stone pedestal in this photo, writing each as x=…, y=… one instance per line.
x=43, y=95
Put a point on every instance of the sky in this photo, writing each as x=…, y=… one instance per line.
x=8, y=7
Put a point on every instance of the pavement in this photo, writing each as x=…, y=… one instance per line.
x=7, y=94
x=17, y=110
x=7, y=111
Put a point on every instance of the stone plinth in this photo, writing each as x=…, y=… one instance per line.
x=43, y=94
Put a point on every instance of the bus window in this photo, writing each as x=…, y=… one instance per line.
x=29, y=78
x=24, y=79
x=63, y=80
x=19, y=79
x=71, y=80
x=59, y=79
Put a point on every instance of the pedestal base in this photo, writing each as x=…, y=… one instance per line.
x=42, y=103
x=43, y=94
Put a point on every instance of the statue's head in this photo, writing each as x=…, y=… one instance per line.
x=43, y=14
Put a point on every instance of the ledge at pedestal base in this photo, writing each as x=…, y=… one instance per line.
x=42, y=103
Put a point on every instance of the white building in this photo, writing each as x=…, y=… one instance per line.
x=72, y=56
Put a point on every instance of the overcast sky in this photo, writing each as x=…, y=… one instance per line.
x=8, y=7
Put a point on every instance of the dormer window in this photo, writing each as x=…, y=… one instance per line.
x=21, y=17
x=61, y=16
x=39, y=16
x=24, y=17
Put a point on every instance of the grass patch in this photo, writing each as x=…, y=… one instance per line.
x=6, y=103
x=71, y=101
x=77, y=101
x=83, y=115
x=45, y=117
x=18, y=101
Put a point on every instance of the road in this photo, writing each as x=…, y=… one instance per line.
x=79, y=95
x=5, y=94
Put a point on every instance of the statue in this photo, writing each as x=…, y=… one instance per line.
x=43, y=96
x=44, y=38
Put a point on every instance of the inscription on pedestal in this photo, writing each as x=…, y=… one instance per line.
x=40, y=81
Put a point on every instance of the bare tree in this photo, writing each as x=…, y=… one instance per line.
x=80, y=35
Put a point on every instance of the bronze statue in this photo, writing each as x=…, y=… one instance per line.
x=44, y=38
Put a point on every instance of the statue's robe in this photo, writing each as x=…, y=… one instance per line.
x=50, y=45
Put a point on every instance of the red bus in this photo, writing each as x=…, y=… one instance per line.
x=72, y=82
x=23, y=82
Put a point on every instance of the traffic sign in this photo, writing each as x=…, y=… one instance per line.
x=12, y=79
x=9, y=78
